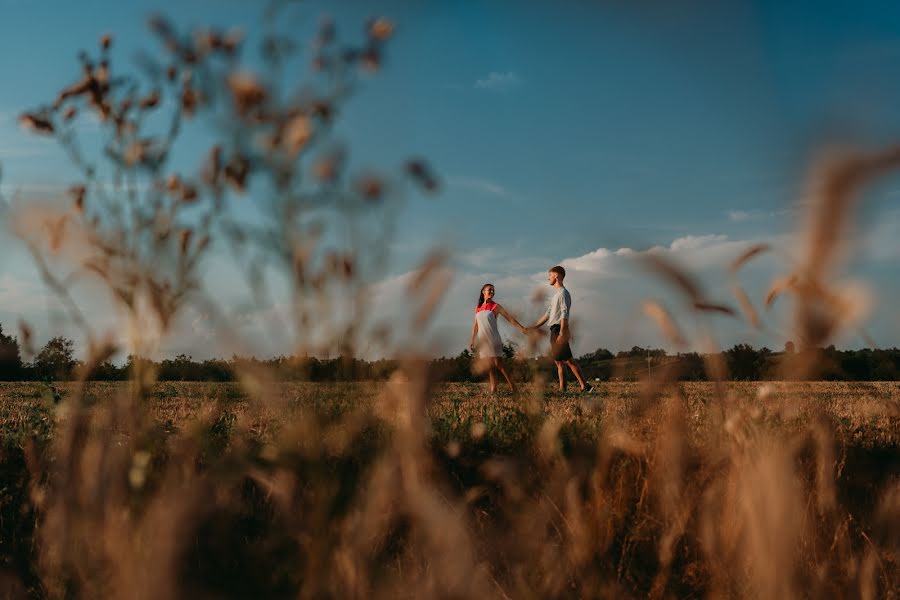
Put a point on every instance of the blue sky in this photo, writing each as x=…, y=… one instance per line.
x=559, y=131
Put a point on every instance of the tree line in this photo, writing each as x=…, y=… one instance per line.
x=56, y=361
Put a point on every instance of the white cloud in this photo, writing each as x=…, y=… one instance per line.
x=740, y=216
x=693, y=242
x=498, y=82
x=479, y=185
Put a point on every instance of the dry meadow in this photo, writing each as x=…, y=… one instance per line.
x=350, y=490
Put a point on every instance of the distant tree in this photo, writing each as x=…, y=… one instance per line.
x=745, y=363
x=597, y=364
x=883, y=368
x=10, y=360
x=638, y=352
x=109, y=371
x=56, y=360
x=691, y=367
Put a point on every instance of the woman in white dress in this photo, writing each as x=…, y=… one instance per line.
x=486, y=342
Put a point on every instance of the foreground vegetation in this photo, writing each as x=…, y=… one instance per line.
x=319, y=490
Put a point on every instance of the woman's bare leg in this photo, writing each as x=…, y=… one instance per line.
x=502, y=367
x=493, y=378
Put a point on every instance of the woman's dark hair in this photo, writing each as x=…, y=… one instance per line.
x=481, y=294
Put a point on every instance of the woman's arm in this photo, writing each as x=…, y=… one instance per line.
x=474, y=331
x=510, y=318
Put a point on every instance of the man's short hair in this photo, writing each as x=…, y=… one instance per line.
x=560, y=272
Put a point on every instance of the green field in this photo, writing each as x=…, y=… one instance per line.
x=339, y=490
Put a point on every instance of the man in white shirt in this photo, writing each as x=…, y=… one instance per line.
x=557, y=316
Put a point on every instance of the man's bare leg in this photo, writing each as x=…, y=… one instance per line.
x=561, y=371
x=577, y=371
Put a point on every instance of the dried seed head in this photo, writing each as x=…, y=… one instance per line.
x=347, y=267
x=778, y=286
x=247, y=91
x=135, y=152
x=188, y=193
x=151, y=100
x=161, y=26
x=296, y=134
x=173, y=182
x=452, y=449
x=381, y=29
x=78, y=193
x=69, y=114
x=232, y=40
x=37, y=123
x=213, y=167
x=101, y=75
x=370, y=187
x=322, y=110
x=27, y=338
x=189, y=99
x=748, y=254
x=370, y=59
x=328, y=168
x=185, y=240
x=664, y=321
x=236, y=172
x=421, y=174
x=675, y=275
x=56, y=231
x=206, y=41
x=713, y=307
x=746, y=306
x=106, y=42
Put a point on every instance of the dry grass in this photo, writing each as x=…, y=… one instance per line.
x=554, y=495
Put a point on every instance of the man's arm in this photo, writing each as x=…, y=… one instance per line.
x=563, y=331
x=540, y=321
x=564, y=318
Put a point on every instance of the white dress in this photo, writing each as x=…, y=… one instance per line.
x=487, y=341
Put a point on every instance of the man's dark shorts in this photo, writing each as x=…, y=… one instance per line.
x=559, y=352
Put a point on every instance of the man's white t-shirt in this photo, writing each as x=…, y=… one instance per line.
x=559, y=307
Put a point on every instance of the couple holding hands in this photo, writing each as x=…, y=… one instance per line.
x=486, y=340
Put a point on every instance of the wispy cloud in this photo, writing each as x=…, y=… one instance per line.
x=740, y=216
x=498, y=82
x=479, y=185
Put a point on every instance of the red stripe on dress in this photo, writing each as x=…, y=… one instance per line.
x=487, y=306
